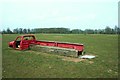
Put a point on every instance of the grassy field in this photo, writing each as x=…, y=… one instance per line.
x=31, y=64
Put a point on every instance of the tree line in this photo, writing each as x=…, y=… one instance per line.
x=107, y=30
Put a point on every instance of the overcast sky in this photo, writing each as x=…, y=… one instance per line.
x=73, y=14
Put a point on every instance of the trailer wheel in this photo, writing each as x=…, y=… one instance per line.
x=79, y=53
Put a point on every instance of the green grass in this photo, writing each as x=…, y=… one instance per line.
x=28, y=64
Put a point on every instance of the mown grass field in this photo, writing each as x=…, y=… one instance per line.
x=29, y=64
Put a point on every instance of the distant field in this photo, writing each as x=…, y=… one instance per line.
x=31, y=64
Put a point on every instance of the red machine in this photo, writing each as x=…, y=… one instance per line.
x=24, y=42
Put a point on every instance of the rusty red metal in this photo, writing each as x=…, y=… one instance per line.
x=23, y=42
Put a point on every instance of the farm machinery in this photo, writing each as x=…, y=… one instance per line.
x=29, y=42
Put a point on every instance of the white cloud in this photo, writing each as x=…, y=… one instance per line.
x=58, y=0
x=55, y=12
x=67, y=18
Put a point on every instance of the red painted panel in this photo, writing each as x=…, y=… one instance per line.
x=71, y=46
x=45, y=43
x=78, y=47
x=24, y=44
x=65, y=45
